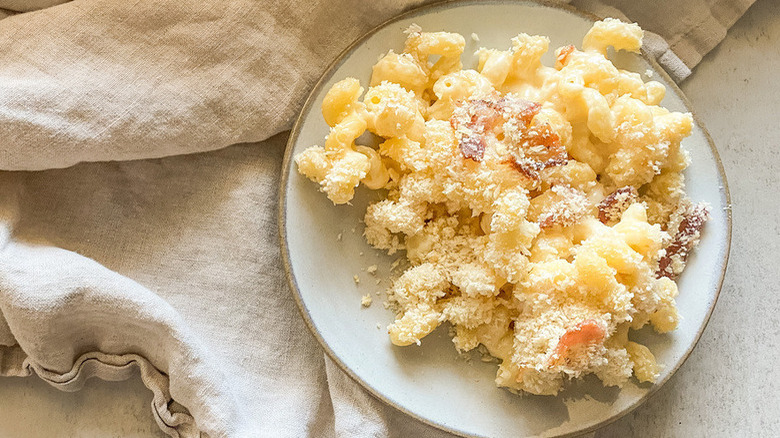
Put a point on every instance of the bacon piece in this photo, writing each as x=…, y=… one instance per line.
x=484, y=114
x=542, y=144
x=538, y=146
x=477, y=115
x=529, y=168
x=473, y=147
x=563, y=56
x=587, y=332
x=612, y=207
x=522, y=110
x=687, y=222
x=471, y=119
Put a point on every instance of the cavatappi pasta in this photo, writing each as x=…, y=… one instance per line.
x=541, y=208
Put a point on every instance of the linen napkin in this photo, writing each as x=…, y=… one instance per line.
x=170, y=266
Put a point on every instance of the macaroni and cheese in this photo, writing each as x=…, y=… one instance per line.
x=541, y=208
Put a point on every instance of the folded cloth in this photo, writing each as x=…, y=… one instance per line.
x=171, y=266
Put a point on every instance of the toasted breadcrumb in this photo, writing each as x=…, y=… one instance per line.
x=413, y=28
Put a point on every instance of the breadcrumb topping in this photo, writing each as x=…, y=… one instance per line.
x=540, y=209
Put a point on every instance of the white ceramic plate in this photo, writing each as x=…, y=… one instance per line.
x=430, y=382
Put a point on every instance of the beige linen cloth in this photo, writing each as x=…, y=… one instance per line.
x=171, y=265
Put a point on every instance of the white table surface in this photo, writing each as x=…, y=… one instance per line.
x=727, y=388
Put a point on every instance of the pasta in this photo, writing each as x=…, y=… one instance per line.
x=541, y=208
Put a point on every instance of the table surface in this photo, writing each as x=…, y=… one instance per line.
x=727, y=386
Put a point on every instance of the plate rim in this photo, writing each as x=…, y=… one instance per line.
x=286, y=170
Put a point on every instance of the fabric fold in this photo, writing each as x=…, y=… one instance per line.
x=113, y=80
x=120, y=367
x=200, y=231
x=48, y=297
